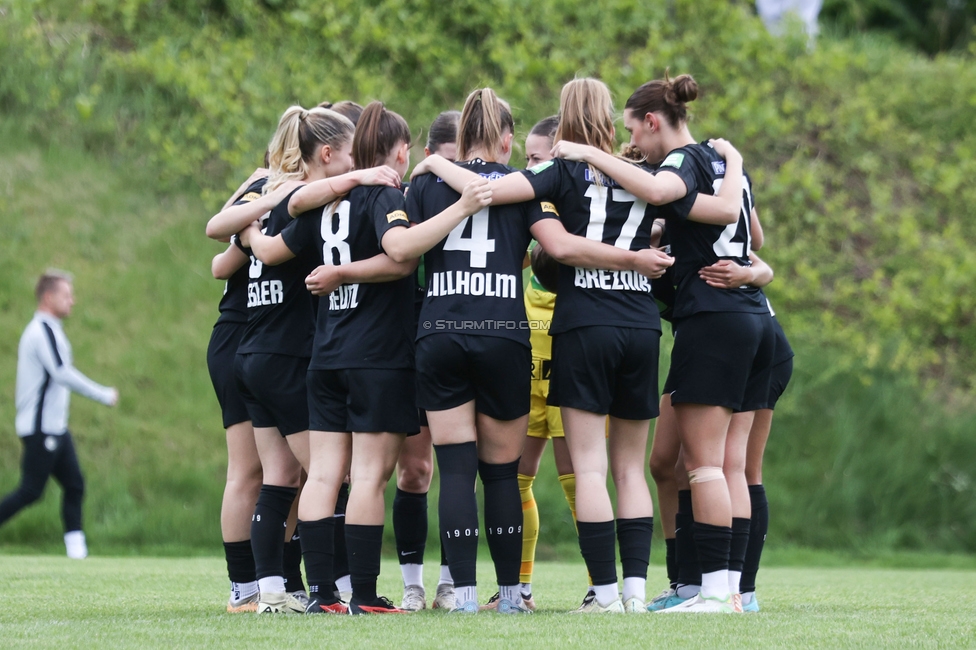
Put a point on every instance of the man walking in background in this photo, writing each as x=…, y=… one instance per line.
x=45, y=379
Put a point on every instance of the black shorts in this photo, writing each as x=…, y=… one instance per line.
x=221, y=355
x=273, y=388
x=607, y=371
x=495, y=372
x=778, y=380
x=364, y=400
x=723, y=359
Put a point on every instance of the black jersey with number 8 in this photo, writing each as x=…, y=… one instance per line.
x=696, y=245
x=597, y=208
x=360, y=325
x=474, y=276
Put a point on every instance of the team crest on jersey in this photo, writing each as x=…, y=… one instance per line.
x=674, y=160
x=396, y=215
x=493, y=176
x=549, y=207
x=718, y=166
x=541, y=167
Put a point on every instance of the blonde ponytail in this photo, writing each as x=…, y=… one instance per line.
x=298, y=138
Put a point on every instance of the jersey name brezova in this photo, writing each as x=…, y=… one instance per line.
x=600, y=210
x=281, y=313
x=474, y=276
x=361, y=325
x=233, y=304
x=696, y=245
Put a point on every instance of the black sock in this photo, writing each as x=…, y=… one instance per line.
x=292, y=564
x=268, y=529
x=341, y=559
x=759, y=525
x=671, y=561
x=318, y=548
x=685, y=551
x=503, y=519
x=740, y=542
x=240, y=561
x=443, y=553
x=713, y=544
x=410, y=526
x=457, y=509
x=365, y=544
x=634, y=540
x=597, y=545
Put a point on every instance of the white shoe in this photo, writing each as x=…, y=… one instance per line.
x=75, y=544
x=301, y=596
x=635, y=605
x=591, y=605
x=414, y=598
x=700, y=604
x=445, y=598
x=279, y=603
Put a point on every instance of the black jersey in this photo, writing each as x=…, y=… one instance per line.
x=664, y=286
x=233, y=304
x=474, y=276
x=601, y=210
x=696, y=245
x=280, y=310
x=367, y=325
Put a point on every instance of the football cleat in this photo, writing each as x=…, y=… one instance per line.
x=318, y=605
x=492, y=602
x=279, y=603
x=444, y=599
x=737, y=603
x=380, y=605
x=634, y=605
x=505, y=606
x=702, y=605
x=242, y=605
x=591, y=605
x=414, y=598
x=470, y=607
x=528, y=602
x=667, y=598
x=752, y=606
x=301, y=596
x=589, y=601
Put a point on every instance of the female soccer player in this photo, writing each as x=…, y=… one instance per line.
x=473, y=369
x=605, y=360
x=723, y=344
x=415, y=467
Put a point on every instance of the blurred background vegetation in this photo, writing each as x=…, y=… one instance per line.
x=124, y=124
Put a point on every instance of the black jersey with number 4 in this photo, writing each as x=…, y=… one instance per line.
x=474, y=276
x=280, y=310
x=696, y=245
x=233, y=304
x=598, y=209
x=360, y=325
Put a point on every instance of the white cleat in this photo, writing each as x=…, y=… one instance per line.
x=634, y=605
x=74, y=543
x=279, y=603
x=445, y=598
x=702, y=605
x=591, y=605
x=414, y=598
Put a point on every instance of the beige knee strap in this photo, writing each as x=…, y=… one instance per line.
x=705, y=474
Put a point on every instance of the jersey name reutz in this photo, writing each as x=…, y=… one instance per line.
x=345, y=297
x=472, y=283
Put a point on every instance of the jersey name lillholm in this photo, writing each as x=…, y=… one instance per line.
x=611, y=280
x=472, y=283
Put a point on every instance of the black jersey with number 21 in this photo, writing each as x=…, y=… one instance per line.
x=696, y=245
x=600, y=210
x=360, y=325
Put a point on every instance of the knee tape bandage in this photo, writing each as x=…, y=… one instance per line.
x=705, y=474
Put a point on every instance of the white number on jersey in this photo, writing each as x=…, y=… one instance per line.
x=257, y=266
x=598, y=214
x=724, y=246
x=478, y=244
x=336, y=241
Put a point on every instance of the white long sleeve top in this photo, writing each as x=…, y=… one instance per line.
x=46, y=377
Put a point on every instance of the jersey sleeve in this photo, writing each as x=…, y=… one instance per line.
x=536, y=211
x=414, y=204
x=299, y=235
x=680, y=162
x=252, y=192
x=389, y=212
x=546, y=178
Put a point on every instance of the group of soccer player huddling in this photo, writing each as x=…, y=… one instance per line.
x=369, y=324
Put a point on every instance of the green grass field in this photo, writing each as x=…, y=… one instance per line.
x=51, y=602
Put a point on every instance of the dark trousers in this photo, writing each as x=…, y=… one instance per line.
x=45, y=456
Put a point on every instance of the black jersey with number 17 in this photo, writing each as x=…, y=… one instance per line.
x=360, y=325
x=696, y=245
x=280, y=310
x=598, y=209
x=474, y=276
